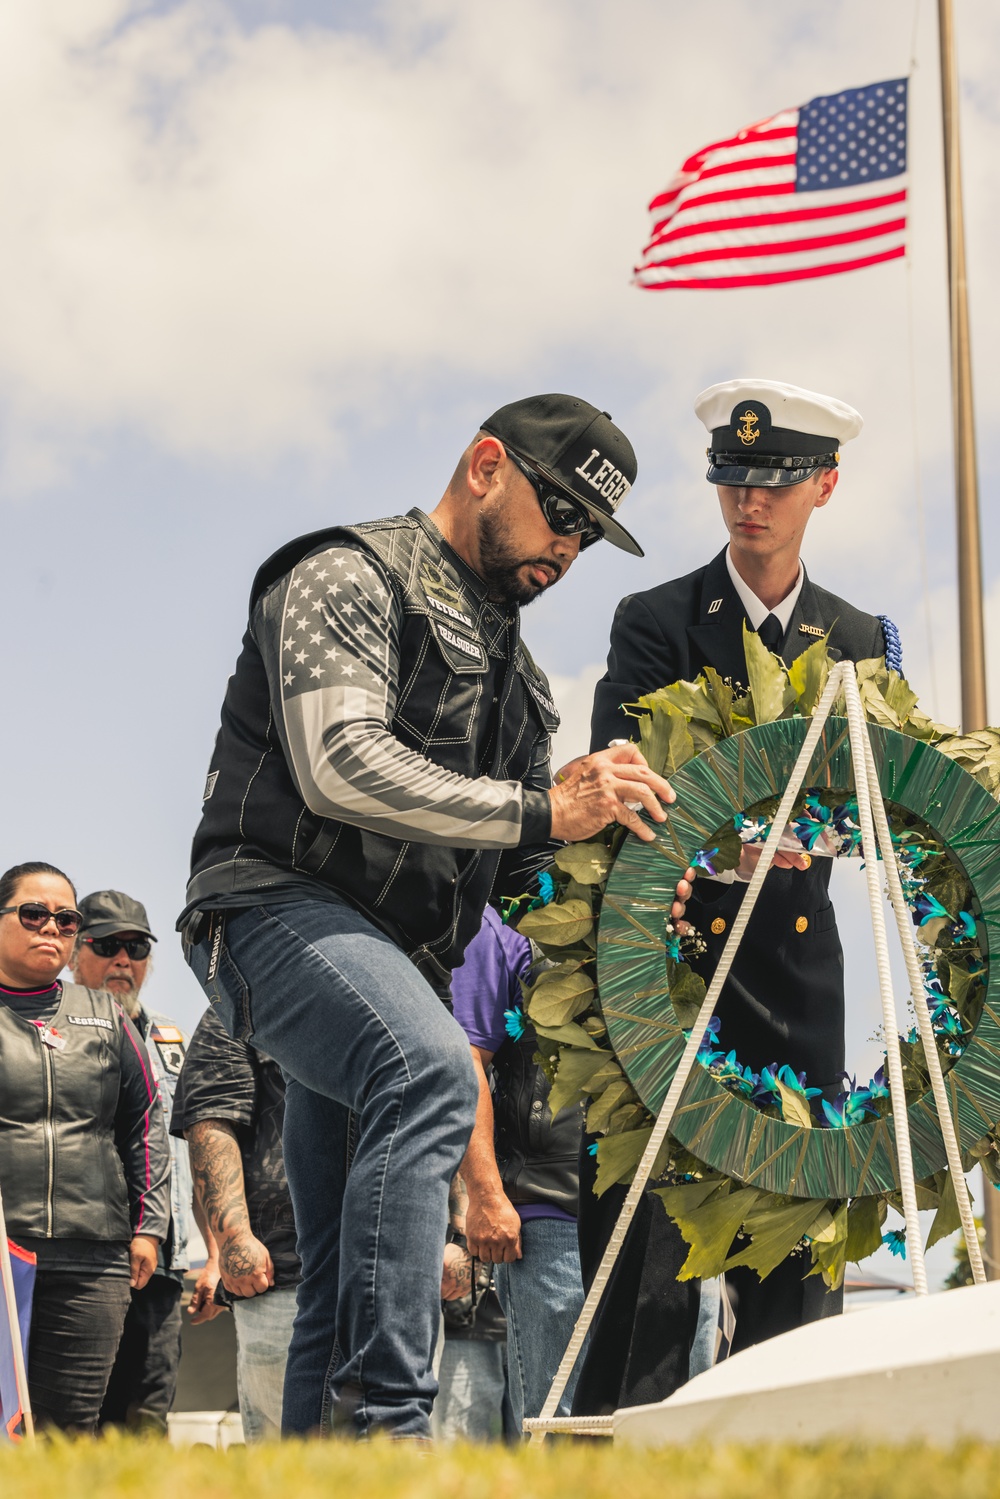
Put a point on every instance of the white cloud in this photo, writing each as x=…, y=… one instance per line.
x=241, y=242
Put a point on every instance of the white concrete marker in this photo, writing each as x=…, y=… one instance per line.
x=926, y=1368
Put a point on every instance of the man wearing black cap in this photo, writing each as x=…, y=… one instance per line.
x=113, y=952
x=382, y=766
x=773, y=458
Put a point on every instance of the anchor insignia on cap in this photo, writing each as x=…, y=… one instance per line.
x=748, y=433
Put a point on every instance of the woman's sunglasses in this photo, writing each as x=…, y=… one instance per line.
x=110, y=947
x=33, y=917
x=563, y=515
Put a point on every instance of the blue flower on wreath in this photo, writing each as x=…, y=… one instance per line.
x=928, y=907
x=848, y=1108
x=879, y=1085
x=766, y=1094
x=706, y=1053
x=895, y=1242
x=808, y=832
x=546, y=887
x=949, y=1028
x=592, y=1149
x=703, y=860
x=725, y=1068
x=968, y=926
x=672, y=943
x=514, y=1023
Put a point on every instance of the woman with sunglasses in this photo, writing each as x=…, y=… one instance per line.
x=84, y=1158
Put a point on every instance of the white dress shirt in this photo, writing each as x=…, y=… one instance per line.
x=758, y=612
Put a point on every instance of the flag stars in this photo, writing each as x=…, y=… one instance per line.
x=348, y=608
x=317, y=605
x=351, y=577
x=305, y=592
x=320, y=577
x=316, y=671
x=349, y=669
x=300, y=624
x=315, y=639
x=332, y=654
x=288, y=678
x=289, y=642
x=300, y=658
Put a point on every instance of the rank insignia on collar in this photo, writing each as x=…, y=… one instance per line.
x=816, y=630
x=715, y=606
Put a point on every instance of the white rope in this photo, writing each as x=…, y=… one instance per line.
x=904, y=925
x=688, y=1057
x=581, y=1426
x=901, y=1122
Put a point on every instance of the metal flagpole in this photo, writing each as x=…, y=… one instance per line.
x=10, y=1300
x=972, y=648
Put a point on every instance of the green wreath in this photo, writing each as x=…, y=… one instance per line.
x=610, y=1009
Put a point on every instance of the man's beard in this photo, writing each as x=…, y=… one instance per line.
x=128, y=997
x=500, y=565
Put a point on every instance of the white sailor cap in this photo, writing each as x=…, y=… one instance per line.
x=767, y=434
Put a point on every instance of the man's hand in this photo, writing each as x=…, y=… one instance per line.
x=595, y=790
x=141, y=1260
x=750, y=858
x=493, y=1230
x=245, y=1265
x=202, y=1307
x=456, y=1277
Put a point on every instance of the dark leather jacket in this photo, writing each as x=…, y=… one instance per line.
x=538, y=1156
x=83, y=1147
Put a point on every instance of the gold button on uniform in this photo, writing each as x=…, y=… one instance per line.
x=801, y=922
x=719, y=925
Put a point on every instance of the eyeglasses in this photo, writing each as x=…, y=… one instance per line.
x=110, y=947
x=564, y=516
x=33, y=917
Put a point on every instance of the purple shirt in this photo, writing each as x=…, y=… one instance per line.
x=487, y=984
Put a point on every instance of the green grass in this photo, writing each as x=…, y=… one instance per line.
x=127, y=1469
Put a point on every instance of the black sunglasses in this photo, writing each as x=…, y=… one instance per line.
x=110, y=947
x=33, y=917
x=564, y=515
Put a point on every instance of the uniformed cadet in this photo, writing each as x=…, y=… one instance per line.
x=773, y=457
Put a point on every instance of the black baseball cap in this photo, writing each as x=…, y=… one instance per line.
x=578, y=449
x=107, y=912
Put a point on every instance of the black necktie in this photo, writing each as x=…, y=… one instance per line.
x=771, y=632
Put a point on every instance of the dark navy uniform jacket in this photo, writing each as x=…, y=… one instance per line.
x=784, y=999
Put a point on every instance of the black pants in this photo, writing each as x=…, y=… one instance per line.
x=144, y=1377
x=641, y=1338
x=76, y=1322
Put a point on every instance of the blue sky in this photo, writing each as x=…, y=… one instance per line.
x=267, y=266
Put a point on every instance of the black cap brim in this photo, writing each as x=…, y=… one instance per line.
x=745, y=476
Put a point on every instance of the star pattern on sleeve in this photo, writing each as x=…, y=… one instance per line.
x=335, y=624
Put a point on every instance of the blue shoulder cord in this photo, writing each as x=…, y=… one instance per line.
x=893, y=645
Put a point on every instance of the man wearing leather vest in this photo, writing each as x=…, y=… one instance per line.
x=381, y=768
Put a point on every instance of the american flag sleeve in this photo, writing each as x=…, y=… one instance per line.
x=329, y=638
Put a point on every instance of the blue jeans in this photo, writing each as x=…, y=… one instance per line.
x=542, y=1296
x=472, y=1401
x=379, y=1075
x=263, y=1333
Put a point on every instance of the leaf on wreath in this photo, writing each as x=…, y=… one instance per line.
x=692, y=699
x=770, y=690
x=808, y=673
x=794, y=1106
x=600, y=1111
x=829, y=1247
x=865, y=1217
x=665, y=739
x=559, y=997
x=587, y=863
x=876, y=707
x=619, y=1155
x=568, y=1035
x=687, y=993
x=710, y=1230
x=558, y=925
x=900, y=696
x=775, y=1227
x=575, y=1071
x=947, y=1218
x=722, y=697
x=681, y=1200
x=629, y=1116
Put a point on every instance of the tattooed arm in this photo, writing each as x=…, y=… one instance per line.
x=217, y=1172
x=456, y=1278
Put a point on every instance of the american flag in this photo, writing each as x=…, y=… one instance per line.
x=809, y=192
